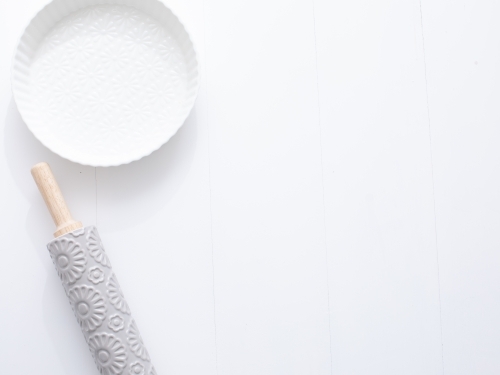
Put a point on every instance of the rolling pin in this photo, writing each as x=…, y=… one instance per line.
x=92, y=287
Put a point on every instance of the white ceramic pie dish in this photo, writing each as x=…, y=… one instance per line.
x=104, y=82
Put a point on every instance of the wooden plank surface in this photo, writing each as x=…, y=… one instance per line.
x=329, y=207
x=271, y=298
x=462, y=57
x=384, y=295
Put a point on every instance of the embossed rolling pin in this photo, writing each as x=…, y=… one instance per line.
x=92, y=288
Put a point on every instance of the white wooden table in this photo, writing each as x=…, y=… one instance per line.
x=331, y=206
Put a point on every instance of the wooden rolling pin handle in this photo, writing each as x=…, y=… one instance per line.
x=54, y=199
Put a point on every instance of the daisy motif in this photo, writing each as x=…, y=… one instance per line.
x=91, y=73
x=76, y=24
x=93, y=12
x=42, y=81
x=156, y=30
x=66, y=91
x=68, y=258
x=95, y=247
x=160, y=94
x=79, y=48
x=116, y=322
x=166, y=47
x=138, y=113
x=135, y=341
x=124, y=17
x=102, y=101
x=54, y=38
x=139, y=34
x=136, y=368
x=103, y=25
x=128, y=82
x=55, y=65
x=150, y=66
x=177, y=68
x=96, y=275
x=116, y=58
x=116, y=296
x=77, y=119
x=89, y=306
x=109, y=353
x=109, y=129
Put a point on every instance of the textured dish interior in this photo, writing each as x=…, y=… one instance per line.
x=105, y=82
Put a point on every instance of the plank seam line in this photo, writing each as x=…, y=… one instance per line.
x=433, y=188
x=209, y=182
x=322, y=188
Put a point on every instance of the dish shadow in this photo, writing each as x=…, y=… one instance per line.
x=130, y=194
x=125, y=196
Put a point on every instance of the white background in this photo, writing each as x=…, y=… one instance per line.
x=331, y=205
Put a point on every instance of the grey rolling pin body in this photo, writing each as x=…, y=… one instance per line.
x=92, y=288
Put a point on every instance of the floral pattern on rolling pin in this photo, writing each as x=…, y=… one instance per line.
x=109, y=353
x=69, y=259
x=96, y=275
x=135, y=341
x=96, y=249
x=136, y=368
x=78, y=232
x=89, y=306
x=116, y=322
x=116, y=295
x=100, y=307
